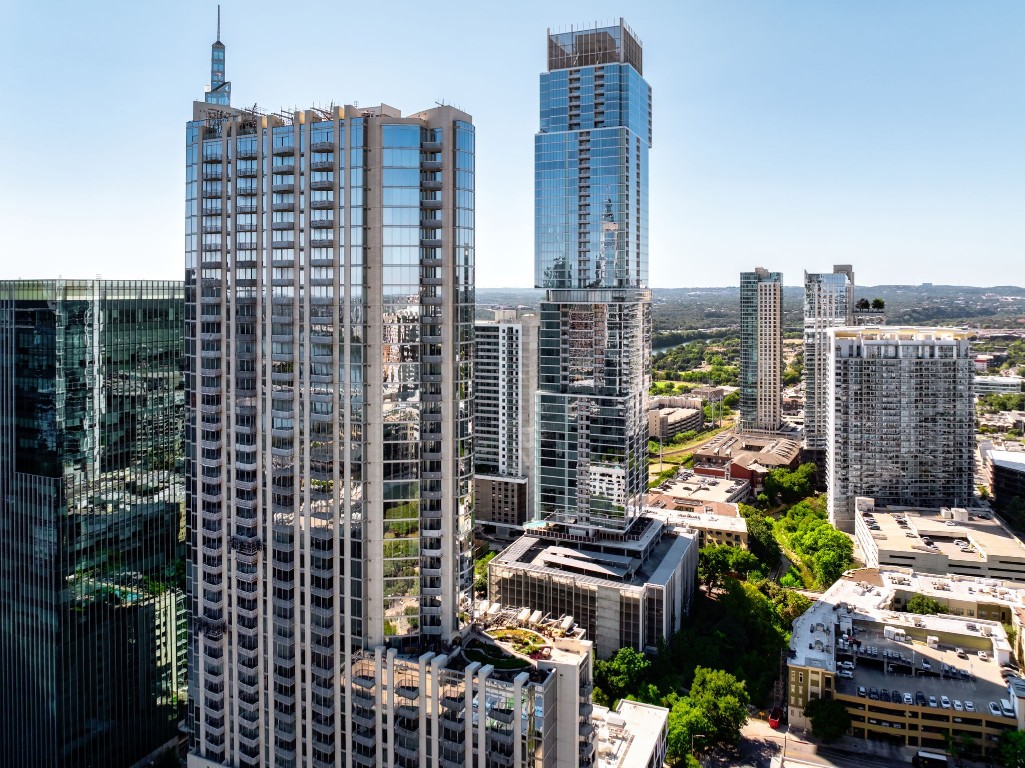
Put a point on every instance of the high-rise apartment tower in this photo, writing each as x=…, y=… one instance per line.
x=591, y=256
x=505, y=386
x=900, y=419
x=329, y=278
x=761, y=350
x=828, y=303
x=92, y=568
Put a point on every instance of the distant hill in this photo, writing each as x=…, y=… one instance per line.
x=718, y=307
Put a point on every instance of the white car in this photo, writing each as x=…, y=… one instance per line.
x=958, y=706
x=845, y=673
x=944, y=702
x=926, y=664
x=969, y=706
x=983, y=655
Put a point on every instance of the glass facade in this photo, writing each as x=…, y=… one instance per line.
x=330, y=267
x=92, y=569
x=591, y=254
x=828, y=303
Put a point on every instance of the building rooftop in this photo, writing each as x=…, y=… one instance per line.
x=687, y=485
x=1009, y=459
x=595, y=563
x=900, y=333
x=859, y=606
x=629, y=735
x=905, y=529
x=768, y=451
x=701, y=519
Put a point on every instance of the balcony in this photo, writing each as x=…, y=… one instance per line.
x=323, y=184
x=322, y=165
x=430, y=165
x=430, y=184
x=408, y=692
x=283, y=168
x=283, y=188
x=321, y=205
x=283, y=206
x=431, y=204
x=454, y=703
x=288, y=149
x=430, y=242
x=322, y=146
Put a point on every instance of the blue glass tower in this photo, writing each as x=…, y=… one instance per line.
x=591, y=254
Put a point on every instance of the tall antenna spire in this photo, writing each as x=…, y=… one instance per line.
x=220, y=89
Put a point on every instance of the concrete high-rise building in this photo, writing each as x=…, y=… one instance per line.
x=900, y=419
x=329, y=275
x=92, y=568
x=761, y=351
x=591, y=256
x=828, y=303
x=505, y=385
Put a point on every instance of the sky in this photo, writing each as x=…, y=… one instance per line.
x=790, y=134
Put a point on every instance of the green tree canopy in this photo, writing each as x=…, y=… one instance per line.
x=1012, y=748
x=686, y=720
x=623, y=674
x=829, y=719
x=717, y=561
x=789, y=487
x=723, y=701
x=925, y=605
x=760, y=538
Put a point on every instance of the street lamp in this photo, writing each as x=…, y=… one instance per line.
x=694, y=736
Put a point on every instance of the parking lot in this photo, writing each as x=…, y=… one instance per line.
x=898, y=666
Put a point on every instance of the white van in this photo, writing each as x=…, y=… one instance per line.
x=1006, y=707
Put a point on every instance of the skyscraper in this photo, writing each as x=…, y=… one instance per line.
x=591, y=256
x=329, y=271
x=505, y=386
x=761, y=350
x=92, y=570
x=828, y=303
x=900, y=419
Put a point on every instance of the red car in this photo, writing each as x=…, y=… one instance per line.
x=775, y=716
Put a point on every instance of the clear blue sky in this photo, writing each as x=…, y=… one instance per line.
x=788, y=133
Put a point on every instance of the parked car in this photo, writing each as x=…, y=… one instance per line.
x=862, y=692
x=983, y=655
x=961, y=653
x=969, y=706
x=884, y=694
x=775, y=716
x=908, y=698
x=926, y=664
x=847, y=664
x=958, y=706
x=994, y=709
x=944, y=702
x=845, y=673
x=920, y=698
x=873, y=693
x=932, y=701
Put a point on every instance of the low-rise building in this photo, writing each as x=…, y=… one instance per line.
x=1005, y=471
x=666, y=423
x=625, y=590
x=966, y=542
x=1003, y=385
x=633, y=735
x=746, y=457
x=907, y=679
x=713, y=525
x=688, y=488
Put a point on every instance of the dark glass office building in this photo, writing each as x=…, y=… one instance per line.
x=591, y=254
x=92, y=607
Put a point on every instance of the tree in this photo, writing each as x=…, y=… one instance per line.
x=1012, y=748
x=790, y=486
x=760, y=539
x=686, y=720
x=722, y=700
x=862, y=305
x=829, y=719
x=713, y=565
x=878, y=304
x=480, y=574
x=925, y=605
x=623, y=674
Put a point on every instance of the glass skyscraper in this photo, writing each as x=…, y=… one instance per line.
x=828, y=303
x=591, y=256
x=329, y=275
x=92, y=569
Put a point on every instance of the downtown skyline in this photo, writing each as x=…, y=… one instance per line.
x=880, y=136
